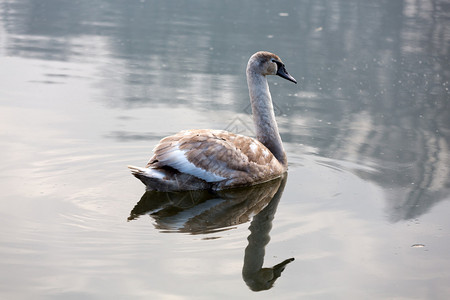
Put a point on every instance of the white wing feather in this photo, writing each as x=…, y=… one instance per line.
x=177, y=159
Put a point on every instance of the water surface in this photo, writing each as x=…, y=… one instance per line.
x=88, y=87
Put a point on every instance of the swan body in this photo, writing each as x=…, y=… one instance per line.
x=217, y=159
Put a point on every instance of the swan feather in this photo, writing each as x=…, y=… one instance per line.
x=213, y=155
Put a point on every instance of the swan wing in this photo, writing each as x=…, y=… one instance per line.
x=214, y=155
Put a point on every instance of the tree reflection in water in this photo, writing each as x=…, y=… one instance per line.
x=201, y=212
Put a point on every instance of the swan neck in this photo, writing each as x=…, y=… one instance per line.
x=263, y=115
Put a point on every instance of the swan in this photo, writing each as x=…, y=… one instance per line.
x=216, y=159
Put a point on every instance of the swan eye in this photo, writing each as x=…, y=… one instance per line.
x=279, y=63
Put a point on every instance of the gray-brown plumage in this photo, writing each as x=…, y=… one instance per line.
x=216, y=159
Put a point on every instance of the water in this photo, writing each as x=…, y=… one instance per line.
x=88, y=87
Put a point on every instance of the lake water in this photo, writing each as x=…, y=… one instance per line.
x=89, y=87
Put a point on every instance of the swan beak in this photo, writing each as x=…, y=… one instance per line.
x=283, y=73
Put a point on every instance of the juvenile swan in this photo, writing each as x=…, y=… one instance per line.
x=216, y=159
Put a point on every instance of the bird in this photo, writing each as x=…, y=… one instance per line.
x=207, y=159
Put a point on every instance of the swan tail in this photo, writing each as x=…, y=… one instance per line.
x=167, y=180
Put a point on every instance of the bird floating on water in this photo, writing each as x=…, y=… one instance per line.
x=217, y=159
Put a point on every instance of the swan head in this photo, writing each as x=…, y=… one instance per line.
x=266, y=63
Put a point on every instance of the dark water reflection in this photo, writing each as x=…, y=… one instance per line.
x=204, y=212
x=112, y=77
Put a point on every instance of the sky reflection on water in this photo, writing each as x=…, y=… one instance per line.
x=89, y=87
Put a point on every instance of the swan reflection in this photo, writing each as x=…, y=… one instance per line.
x=200, y=212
